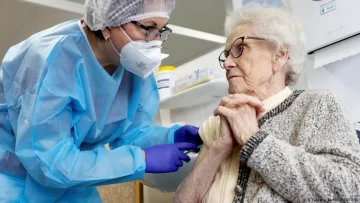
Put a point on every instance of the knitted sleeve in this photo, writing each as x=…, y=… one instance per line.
x=326, y=165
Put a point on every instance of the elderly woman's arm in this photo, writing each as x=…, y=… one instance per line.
x=196, y=185
x=194, y=188
x=326, y=168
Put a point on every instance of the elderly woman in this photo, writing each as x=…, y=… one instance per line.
x=267, y=143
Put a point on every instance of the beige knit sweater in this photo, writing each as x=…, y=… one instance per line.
x=305, y=151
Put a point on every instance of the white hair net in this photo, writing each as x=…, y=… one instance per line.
x=100, y=14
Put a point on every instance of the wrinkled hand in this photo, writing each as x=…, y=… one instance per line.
x=167, y=158
x=236, y=100
x=242, y=112
x=188, y=134
x=226, y=142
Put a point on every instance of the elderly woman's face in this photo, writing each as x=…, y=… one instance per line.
x=254, y=68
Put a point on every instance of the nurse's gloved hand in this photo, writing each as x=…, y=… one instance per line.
x=167, y=158
x=188, y=134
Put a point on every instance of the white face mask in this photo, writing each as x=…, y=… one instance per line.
x=140, y=57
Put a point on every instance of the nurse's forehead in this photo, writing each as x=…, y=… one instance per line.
x=155, y=22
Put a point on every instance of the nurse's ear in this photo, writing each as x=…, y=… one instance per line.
x=106, y=33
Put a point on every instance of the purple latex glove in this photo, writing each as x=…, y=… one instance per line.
x=166, y=158
x=189, y=134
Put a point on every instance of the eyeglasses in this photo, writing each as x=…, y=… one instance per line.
x=153, y=32
x=236, y=49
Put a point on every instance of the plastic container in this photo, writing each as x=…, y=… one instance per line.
x=195, y=78
x=165, y=79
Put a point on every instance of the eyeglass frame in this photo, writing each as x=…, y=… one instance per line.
x=148, y=28
x=222, y=61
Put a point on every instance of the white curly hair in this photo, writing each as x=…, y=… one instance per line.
x=279, y=27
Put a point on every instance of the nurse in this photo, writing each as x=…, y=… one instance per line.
x=67, y=91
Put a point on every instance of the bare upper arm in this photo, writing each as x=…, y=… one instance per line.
x=203, y=152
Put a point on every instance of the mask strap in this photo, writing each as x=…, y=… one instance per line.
x=114, y=47
x=127, y=36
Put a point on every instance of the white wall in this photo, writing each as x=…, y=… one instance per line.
x=342, y=78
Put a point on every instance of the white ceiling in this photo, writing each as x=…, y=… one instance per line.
x=19, y=19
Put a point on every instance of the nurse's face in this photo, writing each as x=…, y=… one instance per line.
x=136, y=31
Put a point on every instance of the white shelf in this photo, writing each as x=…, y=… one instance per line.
x=197, y=95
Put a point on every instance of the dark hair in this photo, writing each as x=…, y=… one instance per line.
x=98, y=34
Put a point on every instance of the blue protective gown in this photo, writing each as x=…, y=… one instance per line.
x=58, y=107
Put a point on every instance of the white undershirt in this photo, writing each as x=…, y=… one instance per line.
x=273, y=101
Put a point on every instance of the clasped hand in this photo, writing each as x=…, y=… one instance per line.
x=239, y=114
